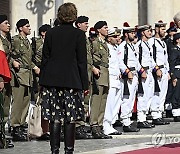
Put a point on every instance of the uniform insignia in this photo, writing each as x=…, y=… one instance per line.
x=101, y=47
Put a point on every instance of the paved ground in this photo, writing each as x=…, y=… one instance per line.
x=127, y=141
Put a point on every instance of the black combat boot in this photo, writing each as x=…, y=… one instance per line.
x=18, y=135
x=55, y=130
x=69, y=137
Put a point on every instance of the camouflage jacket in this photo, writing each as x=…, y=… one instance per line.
x=101, y=60
x=22, y=52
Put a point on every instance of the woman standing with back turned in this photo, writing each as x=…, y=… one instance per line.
x=64, y=77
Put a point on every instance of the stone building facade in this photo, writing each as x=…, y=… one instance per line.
x=115, y=12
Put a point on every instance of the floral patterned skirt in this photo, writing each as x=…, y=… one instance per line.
x=62, y=104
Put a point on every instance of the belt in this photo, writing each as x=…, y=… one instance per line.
x=146, y=68
x=132, y=69
x=103, y=64
x=161, y=66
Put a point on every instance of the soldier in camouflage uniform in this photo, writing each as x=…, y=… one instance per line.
x=100, y=80
x=82, y=24
x=22, y=53
x=5, y=77
x=7, y=91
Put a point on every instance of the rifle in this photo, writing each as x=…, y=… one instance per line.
x=125, y=77
x=33, y=44
x=35, y=82
x=156, y=85
x=140, y=87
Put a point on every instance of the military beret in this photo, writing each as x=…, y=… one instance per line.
x=176, y=36
x=22, y=22
x=44, y=28
x=113, y=32
x=81, y=19
x=160, y=23
x=3, y=18
x=100, y=24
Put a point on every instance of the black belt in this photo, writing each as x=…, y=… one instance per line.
x=103, y=64
x=146, y=68
x=161, y=66
x=132, y=69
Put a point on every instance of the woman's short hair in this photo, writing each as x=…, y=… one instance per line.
x=67, y=13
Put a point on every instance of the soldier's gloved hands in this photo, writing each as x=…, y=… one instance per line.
x=130, y=75
x=16, y=64
x=1, y=86
x=174, y=82
x=159, y=73
x=96, y=71
x=144, y=75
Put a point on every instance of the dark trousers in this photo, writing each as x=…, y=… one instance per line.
x=176, y=96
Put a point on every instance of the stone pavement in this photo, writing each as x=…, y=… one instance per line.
x=124, y=142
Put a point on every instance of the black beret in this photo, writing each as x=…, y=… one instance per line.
x=44, y=28
x=176, y=36
x=3, y=18
x=99, y=24
x=22, y=22
x=81, y=19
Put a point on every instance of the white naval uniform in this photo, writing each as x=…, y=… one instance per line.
x=161, y=60
x=114, y=98
x=148, y=63
x=128, y=100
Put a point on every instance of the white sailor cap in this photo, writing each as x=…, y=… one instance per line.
x=113, y=32
x=160, y=23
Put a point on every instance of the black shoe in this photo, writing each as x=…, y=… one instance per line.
x=169, y=114
x=118, y=123
x=44, y=137
x=18, y=135
x=177, y=119
x=104, y=136
x=130, y=128
x=160, y=121
x=6, y=144
x=95, y=132
x=145, y=124
x=9, y=143
x=82, y=134
x=115, y=133
x=98, y=134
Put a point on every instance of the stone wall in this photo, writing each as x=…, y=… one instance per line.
x=115, y=12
